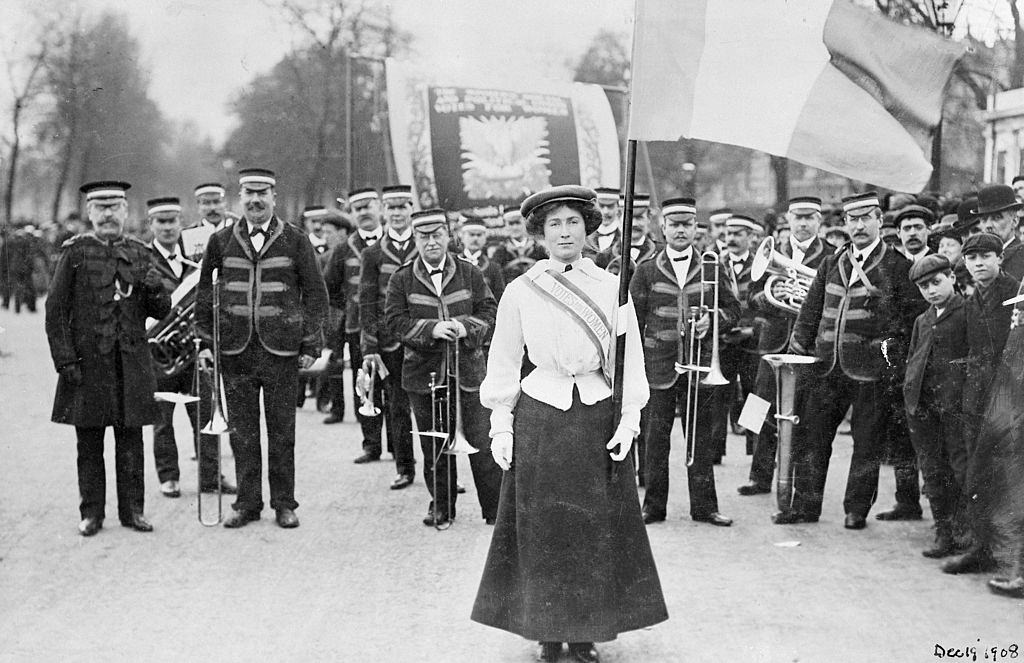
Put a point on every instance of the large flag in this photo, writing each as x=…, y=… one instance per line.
x=825, y=83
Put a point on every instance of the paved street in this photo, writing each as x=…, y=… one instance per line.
x=363, y=580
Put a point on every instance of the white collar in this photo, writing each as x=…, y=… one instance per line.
x=581, y=265
x=262, y=226
x=473, y=255
x=404, y=237
x=317, y=241
x=611, y=228
x=686, y=254
x=213, y=225
x=518, y=243
x=164, y=252
x=369, y=234
x=863, y=254
x=440, y=265
x=739, y=258
x=914, y=257
x=802, y=246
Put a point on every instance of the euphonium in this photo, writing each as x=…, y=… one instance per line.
x=171, y=338
x=796, y=277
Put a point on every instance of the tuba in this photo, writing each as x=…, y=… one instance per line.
x=796, y=277
x=171, y=339
x=784, y=366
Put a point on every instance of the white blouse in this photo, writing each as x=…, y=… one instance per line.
x=560, y=349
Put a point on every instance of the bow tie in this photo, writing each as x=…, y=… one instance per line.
x=681, y=258
x=257, y=231
x=858, y=257
x=172, y=256
x=568, y=268
x=433, y=272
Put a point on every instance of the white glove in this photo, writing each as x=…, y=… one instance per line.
x=501, y=450
x=623, y=439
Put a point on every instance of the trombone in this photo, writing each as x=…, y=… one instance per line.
x=218, y=424
x=691, y=366
x=446, y=440
x=366, y=382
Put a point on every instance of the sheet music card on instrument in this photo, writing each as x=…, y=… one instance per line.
x=754, y=413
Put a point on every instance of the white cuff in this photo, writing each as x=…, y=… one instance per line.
x=501, y=420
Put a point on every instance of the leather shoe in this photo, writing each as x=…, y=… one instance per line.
x=138, y=523
x=549, y=651
x=753, y=489
x=792, y=518
x=367, y=458
x=583, y=652
x=899, y=512
x=323, y=405
x=434, y=520
x=287, y=519
x=226, y=488
x=1012, y=587
x=651, y=517
x=241, y=518
x=714, y=518
x=402, y=481
x=334, y=419
x=490, y=521
x=90, y=526
x=855, y=521
x=975, y=560
x=170, y=489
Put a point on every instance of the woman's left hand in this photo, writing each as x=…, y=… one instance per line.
x=623, y=439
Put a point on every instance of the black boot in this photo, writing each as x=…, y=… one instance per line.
x=944, y=545
x=977, y=560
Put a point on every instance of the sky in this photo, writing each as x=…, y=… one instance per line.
x=200, y=53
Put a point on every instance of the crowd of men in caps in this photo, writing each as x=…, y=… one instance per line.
x=905, y=313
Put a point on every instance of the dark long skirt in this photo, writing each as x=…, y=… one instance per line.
x=569, y=560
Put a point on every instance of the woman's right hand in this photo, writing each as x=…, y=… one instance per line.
x=501, y=450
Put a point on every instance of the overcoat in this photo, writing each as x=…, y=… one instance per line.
x=96, y=313
x=937, y=346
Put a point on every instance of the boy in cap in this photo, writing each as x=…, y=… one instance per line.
x=932, y=394
x=988, y=325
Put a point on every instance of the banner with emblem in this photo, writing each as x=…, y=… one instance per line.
x=464, y=146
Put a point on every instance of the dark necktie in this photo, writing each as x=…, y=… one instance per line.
x=568, y=268
x=433, y=272
x=257, y=231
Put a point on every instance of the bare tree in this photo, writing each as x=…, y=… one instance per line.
x=23, y=75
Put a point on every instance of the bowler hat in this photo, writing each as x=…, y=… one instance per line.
x=983, y=243
x=966, y=216
x=997, y=198
x=927, y=266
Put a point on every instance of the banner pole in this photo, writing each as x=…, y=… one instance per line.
x=624, y=275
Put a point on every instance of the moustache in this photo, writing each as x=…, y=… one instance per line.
x=255, y=205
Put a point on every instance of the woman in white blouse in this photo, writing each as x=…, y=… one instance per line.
x=569, y=561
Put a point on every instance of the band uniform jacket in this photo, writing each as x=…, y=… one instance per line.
x=609, y=259
x=934, y=361
x=1013, y=259
x=773, y=326
x=342, y=278
x=414, y=308
x=163, y=268
x=658, y=302
x=592, y=246
x=100, y=297
x=276, y=297
x=493, y=276
x=988, y=325
x=380, y=261
x=846, y=326
x=743, y=336
x=517, y=260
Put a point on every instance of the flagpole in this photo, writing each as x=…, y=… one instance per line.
x=624, y=274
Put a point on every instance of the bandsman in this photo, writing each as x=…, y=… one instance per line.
x=641, y=246
x=381, y=349
x=473, y=237
x=273, y=304
x=716, y=222
x=610, y=230
x=856, y=320
x=313, y=221
x=342, y=279
x=520, y=251
x=211, y=201
x=434, y=302
x=664, y=289
x=104, y=288
x=164, y=215
x=775, y=325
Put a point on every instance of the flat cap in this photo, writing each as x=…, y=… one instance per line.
x=429, y=220
x=983, y=243
x=564, y=193
x=927, y=266
x=914, y=212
